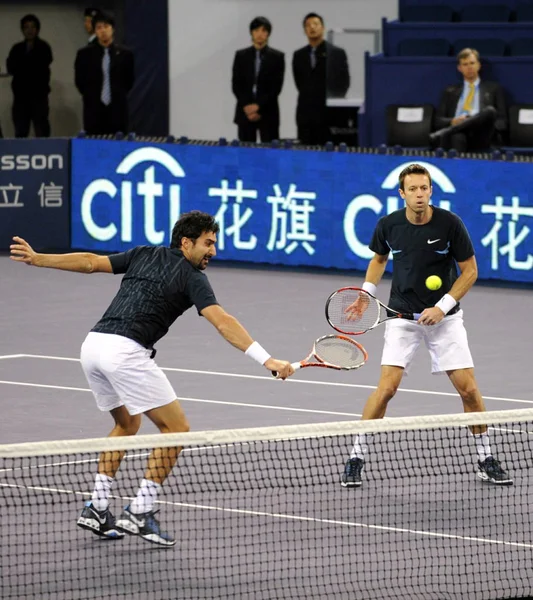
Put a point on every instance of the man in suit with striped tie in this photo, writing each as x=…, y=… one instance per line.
x=257, y=80
x=104, y=75
x=472, y=115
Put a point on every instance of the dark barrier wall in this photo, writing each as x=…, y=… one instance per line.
x=394, y=32
x=457, y=5
x=290, y=207
x=34, y=192
x=146, y=33
x=419, y=80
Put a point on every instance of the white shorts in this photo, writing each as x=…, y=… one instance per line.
x=120, y=372
x=446, y=341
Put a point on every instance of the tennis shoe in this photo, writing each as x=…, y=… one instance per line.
x=100, y=522
x=144, y=525
x=352, y=472
x=491, y=471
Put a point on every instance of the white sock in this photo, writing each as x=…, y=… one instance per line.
x=101, y=492
x=360, y=447
x=146, y=497
x=482, y=445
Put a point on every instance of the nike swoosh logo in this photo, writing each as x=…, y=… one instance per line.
x=433, y=241
x=101, y=520
x=138, y=522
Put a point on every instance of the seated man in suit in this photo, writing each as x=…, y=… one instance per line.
x=472, y=115
x=257, y=80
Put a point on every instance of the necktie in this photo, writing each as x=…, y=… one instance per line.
x=105, y=96
x=313, y=58
x=469, y=100
x=257, y=67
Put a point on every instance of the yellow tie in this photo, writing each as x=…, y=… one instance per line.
x=469, y=101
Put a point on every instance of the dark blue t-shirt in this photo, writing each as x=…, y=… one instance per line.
x=158, y=286
x=419, y=251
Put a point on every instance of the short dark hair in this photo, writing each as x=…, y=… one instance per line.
x=191, y=225
x=261, y=22
x=91, y=12
x=30, y=19
x=311, y=16
x=413, y=169
x=102, y=17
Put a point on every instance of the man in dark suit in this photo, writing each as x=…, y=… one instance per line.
x=88, y=16
x=29, y=63
x=104, y=75
x=320, y=72
x=257, y=80
x=472, y=115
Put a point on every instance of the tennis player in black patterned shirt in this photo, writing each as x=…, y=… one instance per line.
x=424, y=240
x=158, y=286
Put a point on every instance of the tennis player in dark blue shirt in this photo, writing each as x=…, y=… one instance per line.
x=424, y=240
x=117, y=357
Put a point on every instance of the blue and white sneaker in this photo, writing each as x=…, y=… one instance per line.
x=352, y=472
x=100, y=522
x=490, y=470
x=145, y=525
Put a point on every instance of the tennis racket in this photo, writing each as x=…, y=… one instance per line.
x=333, y=352
x=353, y=311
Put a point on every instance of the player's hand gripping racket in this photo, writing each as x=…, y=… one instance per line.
x=353, y=311
x=333, y=352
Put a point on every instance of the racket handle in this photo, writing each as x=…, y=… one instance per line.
x=417, y=316
x=295, y=366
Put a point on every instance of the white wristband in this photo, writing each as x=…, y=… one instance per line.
x=257, y=352
x=370, y=288
x=446, y=303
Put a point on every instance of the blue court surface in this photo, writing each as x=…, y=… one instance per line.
x=46, y=315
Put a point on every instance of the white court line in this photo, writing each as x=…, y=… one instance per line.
x=182, y=399
x=242, y=404
x=294, y=381
x=282, y=516
x=6, y=356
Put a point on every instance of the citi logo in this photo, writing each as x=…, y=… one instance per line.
x=148, y=188
x=30, y=162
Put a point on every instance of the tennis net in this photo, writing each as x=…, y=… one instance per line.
x=260, y=514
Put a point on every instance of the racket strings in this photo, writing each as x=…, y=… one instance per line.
x=353, y=310
x=338, y=351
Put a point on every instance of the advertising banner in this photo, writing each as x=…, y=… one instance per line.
x=290, y=207
x=34, y=192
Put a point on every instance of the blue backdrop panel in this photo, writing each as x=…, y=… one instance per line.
x=34, y=192
x=457, y=5
x=394, y=32
x=421, y=80
x=290, y=208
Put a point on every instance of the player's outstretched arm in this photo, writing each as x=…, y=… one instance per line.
x=233, y=332
x=79, y=262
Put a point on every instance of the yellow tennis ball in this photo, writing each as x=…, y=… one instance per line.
x=433, y=282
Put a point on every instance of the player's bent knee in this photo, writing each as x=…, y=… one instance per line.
x=169, y=419
x=469, y=395
x=133, y=425
x=387, y=391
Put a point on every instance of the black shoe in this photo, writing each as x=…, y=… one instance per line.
x=490, y=470
x=145, y=525
x=352, y=473
x=100, y=522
